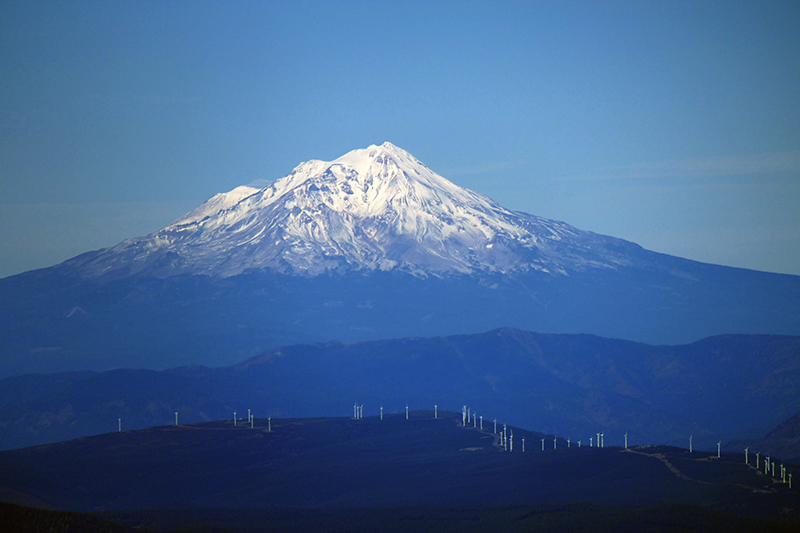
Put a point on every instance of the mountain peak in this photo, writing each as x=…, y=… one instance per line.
x=375, y=208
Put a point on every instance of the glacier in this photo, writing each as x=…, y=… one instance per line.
x=372, y=209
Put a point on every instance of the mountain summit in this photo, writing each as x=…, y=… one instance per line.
x=377, y=208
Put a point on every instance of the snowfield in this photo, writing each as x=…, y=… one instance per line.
x=377, y=208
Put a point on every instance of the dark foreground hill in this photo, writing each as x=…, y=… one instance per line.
x=345, y=467
x=719, y=389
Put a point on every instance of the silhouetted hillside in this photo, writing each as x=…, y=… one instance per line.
x=396, y=464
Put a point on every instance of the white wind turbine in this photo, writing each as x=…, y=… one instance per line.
x=745, y=455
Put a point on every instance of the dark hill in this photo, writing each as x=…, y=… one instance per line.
x=339, y=464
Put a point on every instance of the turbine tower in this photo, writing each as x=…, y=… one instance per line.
x=176, y=418
x=120, y=424
x=719, y=444
x=234, y=418
x=626, y=440
x=745, y=455
x=690, y=443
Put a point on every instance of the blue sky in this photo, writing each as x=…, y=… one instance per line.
x=675, y=125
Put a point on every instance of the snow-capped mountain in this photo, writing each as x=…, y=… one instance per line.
x=377, y=208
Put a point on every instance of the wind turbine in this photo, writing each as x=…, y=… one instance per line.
x=579, y=444
x=598, y=440
x=120, y=424
x=567, y=443
x=176, y=418
x=790, y=480
x=495, y=426
x=381, y=412
x=234, y=418
x=406, y=411
x=542, y=444
x=269, y=424
x=591, y=445
x=757, y=456
x=626, y=440
x=719, y=443
x=745, y=455
x=602, y=440
x=505, y=437
x=523, y=444
x=690, y=443
x=511, y=445
x=555, y=442
x=435, y=412
x=481, y=422
x=464, y=415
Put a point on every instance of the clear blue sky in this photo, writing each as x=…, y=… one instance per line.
x=675, y=125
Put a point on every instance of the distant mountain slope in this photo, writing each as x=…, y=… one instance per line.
x=372, y=245
x=339, y=463
x=782, y=441
x=722, y=388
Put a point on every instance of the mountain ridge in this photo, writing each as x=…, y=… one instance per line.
x=571, y=385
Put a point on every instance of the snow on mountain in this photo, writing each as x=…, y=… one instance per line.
x=377, y=208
